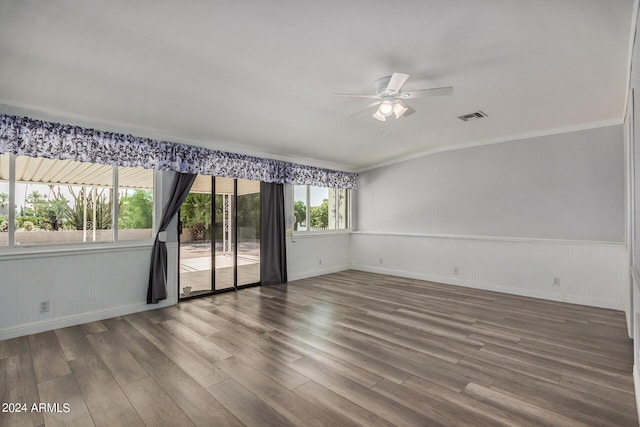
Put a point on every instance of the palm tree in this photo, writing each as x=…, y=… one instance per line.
x=195, y=213
x=36, y=200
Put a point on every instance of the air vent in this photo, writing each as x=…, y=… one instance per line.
x=473, y=116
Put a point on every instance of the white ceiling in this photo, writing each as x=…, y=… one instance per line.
x=257, y=77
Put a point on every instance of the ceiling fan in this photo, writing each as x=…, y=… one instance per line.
x=389, y=96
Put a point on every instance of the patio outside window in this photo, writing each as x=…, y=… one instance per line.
x=320, y=208
x=57, y=202
x=135, y=203
x=62, y=201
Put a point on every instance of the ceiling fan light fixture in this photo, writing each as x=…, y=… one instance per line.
x=379, y=116
x=399, y=109
x=386, y=108
x=389, y=97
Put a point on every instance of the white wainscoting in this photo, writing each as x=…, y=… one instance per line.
x=81, y=286
x=89, y=285
x=590, y=273
x=314, y=254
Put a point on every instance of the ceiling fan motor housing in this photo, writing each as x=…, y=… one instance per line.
x=381, y=86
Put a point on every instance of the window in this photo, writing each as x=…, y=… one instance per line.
x=135, y=203
x=62, y=201
x=320, y=208
x=4, y=199
x=300, y=207
x=56, y=202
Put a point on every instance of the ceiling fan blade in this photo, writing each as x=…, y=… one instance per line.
x=436, y=91
x=396, y=82
x=357, y=113
x=353, y=95
x=409, y=112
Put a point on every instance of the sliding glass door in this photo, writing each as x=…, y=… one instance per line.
x=248, y=232
x=225, y=226
x=223, y=252
x=195, y=239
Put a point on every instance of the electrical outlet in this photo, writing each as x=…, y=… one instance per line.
x=456, y=270
x=380, y=261
x=556, y=281
x=44, y=306
x=320, y=262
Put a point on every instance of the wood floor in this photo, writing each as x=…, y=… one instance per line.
x=349, y=348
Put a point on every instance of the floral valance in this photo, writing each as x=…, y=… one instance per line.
x=37, y=138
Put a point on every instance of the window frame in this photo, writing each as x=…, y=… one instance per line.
x=12, y=247
x=308, y=231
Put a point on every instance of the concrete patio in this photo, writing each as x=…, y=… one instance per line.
x=195, y=267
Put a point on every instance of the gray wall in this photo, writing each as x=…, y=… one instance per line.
x=563, y=186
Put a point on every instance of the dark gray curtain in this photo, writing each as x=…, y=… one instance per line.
x=158, y=275
x=273, y=254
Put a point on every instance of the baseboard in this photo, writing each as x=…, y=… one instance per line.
x=317, y=272
x=636, y=388
x=491, y=287
x=78, y=319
